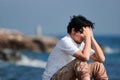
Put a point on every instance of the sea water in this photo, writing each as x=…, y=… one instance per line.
x=32, y=64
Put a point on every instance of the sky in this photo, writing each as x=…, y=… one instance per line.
x=53, y=16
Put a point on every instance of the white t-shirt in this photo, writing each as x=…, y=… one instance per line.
x=61, y=55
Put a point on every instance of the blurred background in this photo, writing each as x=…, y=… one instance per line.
x=29, y=29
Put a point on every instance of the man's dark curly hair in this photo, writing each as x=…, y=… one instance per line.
x=78, y=22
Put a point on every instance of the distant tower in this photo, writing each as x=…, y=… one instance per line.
x=38, y=31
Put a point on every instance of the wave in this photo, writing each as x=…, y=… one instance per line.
x=26, y=61
x=109, y=50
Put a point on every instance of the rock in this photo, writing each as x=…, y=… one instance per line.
x=9, y=55
x=12, y=39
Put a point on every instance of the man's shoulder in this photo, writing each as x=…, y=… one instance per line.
x=63, y=41
x=67, y=37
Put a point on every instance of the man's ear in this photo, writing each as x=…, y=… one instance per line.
x=73, y=30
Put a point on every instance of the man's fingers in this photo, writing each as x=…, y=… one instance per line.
x=84, y=28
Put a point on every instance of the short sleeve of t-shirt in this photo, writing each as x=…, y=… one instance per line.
x=68, y=46
x=92, y=51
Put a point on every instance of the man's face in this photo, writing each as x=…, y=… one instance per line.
x=78, y=36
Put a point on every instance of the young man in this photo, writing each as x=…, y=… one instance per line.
x=68, y=60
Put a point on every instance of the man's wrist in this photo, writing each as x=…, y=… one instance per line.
x=88, y=39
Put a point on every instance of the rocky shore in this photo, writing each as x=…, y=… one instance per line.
x=15, y=40
x=12, y=41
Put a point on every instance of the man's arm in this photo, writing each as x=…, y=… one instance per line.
x=99, y=55
x=85, y=53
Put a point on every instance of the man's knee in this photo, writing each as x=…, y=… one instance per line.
x=97, y=66
x=98, y=70
x=81, y=66
x=81, y=69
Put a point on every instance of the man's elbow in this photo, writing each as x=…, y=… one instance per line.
x=102, y=60
x=86, y=59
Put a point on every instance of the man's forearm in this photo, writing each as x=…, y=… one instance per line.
x=98, y=51
x=87, y=48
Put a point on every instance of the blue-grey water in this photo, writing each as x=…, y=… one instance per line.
x=13, y=71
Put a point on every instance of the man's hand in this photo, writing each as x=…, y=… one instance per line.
x=92, y=35
x=87, y=32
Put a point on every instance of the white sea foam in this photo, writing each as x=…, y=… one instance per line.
x=26, y=61
x=110, y=50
